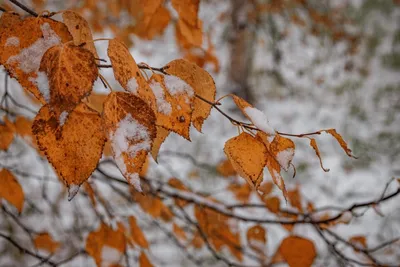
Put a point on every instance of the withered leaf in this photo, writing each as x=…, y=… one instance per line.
x=11, y=190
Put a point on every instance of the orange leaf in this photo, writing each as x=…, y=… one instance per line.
x=22, y=45
x=144, y=261
x=225, y=168
x=242, y=191
x=11, y=190
x=75, y=149
x=162, y=134
x=150, y=27
x=314, y=145
x=6, y=135
x=359, y=241
x=80, y=31
x=187, y=10
x=283, y=150
x=341, y=142
x=202, y=83
x=294, y=197
x=188, y=36
x=176, y=183
x=273, y=204
x=179, y=232
x=247, y=155
x=257, y=238
x=46, y=242
x=297, y=251
x=130, y=125
x=69, y=73
x=137, y=234
x=174, y=103
x=96, y=101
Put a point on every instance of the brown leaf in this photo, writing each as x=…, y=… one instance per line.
x=46, y=242
x=341, y=142
x=241, y=191
x=130, y=125
x=137, y=234
x=144, y=261
x=282, y=149
x=247, y=155
x=11, y=190
x=297, y=251
x=71, y=72
x=187, y=10
x=202, y=83
x=80, y=31
x=96, y=101
x=273, y=204
x=154, y=26
x=179, y=232
x=225, y=168
x=314, y=145
x=6, y=135
x=359, y=241
x=257, y=239
x=74, y=149
x=174, y=103
x=22, y=45
x=188, y=36
x=177, y=184
x=162, y=134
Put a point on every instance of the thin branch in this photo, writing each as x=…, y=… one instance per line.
x=25, y=8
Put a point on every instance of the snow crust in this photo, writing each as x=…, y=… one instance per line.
x=132, y=85
x=285, y=157
x=109, y=256
x=29, y=58
x=260, y=120
x=177, y=86
x=63, y=117
x=42, y=83
x=163, y=106
x=12, y=41
x=73, y=189
x=127, y=132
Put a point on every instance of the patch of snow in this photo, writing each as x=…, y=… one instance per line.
x=29, y=58
x=177, y=86
x=162, y=105
x=285, y=157
x=134, y=180
x=12, y=41
x=132, y=85
x=72, y=191
x=260, y=120
x=279, y=180
x=63, y=117
x=129, y=131
x=109, y=256
x=42, y=83
x=258, y=244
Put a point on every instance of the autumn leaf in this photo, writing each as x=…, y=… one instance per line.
x=144, y=261
x=225, y=168
x=272, y=203
x=155, y=25
x=341, y=142
x=359, y=241
x=188, y=36
x=161, y=135
x=297, y=251
x=187, y=10
x=46, y=242
x=282, y=149
x=202, y=83
x=241, y=191
x=22, y=45
x=295, y=199
x=313, y=144
x=6, y=135
x=69, y=73
x=248, y=157
x=179, y=232
x=130, y=126
x=177, y=184
x=11, y=190
x=257, y=238
x=137, y=234
x=74, y=149
x=80, y=31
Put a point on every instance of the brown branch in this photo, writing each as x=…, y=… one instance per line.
x=24, y=7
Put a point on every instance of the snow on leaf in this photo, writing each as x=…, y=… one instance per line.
x=46, y=242
x=283, y=150
x=257, y=239
x=42, y=83
x=80, y=31
x=297, y=251
x=136, y=233
x=130, y=125
x=35, y=36
x=75, y=149
x=71, y=71
x=248, y=157
x=202, y=84
x=132, y=86
x=11, y=190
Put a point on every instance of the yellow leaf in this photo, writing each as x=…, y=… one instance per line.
x=257, y=238
x=282, y=149
x=176, y=183
x=187, y=10
x=70, y=72
x=46, y=242
x=273, y=204
x=297, y=251
x=80, y=31
x=179, y=232
x=11, y=190
x=137, y=234
x=188, y=36
x=314, y=145
x=162, y=134
x=144, y=261
x=74, y=149
x=241, y=191
x=22, y=45
x=155, y=25
x=342, y=143
x=6, y=135
x=247, y=155
x=225, y=168
x=202, y=83
x=130, y=125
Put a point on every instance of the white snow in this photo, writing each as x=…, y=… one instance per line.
x=72, y=191
x=134, y=180
x=12, y=41
x=42, y=83
x=29, y=58
x=109, y=256
x=260, y=120
x=132, y=85
x=162, y=105
x=285, y=157
x=258, y=244
x=63, y=117
x=129, y=138
x=177, y=86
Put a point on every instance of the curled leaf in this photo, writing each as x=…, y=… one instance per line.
x=314, y=145
x=341, y=142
